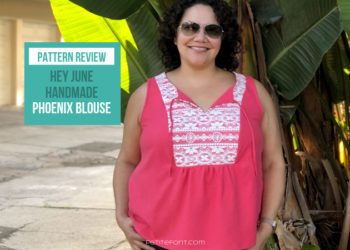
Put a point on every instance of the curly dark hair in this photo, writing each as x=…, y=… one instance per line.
x=231, y=41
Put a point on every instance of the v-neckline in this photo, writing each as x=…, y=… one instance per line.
x=181, y=93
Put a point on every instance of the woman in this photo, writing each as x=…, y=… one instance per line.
x=201, y=161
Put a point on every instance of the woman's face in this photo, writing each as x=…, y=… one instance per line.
x=199, y=49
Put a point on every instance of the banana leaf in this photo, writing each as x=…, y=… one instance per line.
x=140, y=58
x=111, y=8
x=265, y=11
x=336, y=67
x=123, y=8
x=344, y=7
x=295, y=47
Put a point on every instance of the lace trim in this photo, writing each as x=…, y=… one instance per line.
x=202, y=138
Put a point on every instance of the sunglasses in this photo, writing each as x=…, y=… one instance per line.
x=211, y=30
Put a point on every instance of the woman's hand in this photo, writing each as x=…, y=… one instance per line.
x=263, y=234
x=135, y=240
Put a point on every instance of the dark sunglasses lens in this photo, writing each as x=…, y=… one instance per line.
x=190, y=28
x=213, y=30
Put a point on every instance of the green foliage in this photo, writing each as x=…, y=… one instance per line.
x=111, y=8
x=270, y=244
x=344, y=6
x=296, y=35
x=294, y=48
x=139, y=52
x=335, y=64
x=266, y=11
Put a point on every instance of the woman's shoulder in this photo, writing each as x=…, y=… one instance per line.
x=264, y=96
x=137, y=100
x=139, y=93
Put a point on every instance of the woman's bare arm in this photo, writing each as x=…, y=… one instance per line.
x=129, y=154
x=272, y=162
x=128, y=158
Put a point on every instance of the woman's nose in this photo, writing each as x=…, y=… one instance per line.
x=200, y=35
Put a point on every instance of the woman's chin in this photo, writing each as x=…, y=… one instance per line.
x=198, y=65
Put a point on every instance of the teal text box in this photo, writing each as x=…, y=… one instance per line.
x=72, y=84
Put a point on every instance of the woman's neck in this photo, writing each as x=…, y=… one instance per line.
x=198, y=74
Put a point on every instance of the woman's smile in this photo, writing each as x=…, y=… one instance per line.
x=199, y=48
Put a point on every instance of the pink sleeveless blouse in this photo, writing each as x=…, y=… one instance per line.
x=199, y=182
